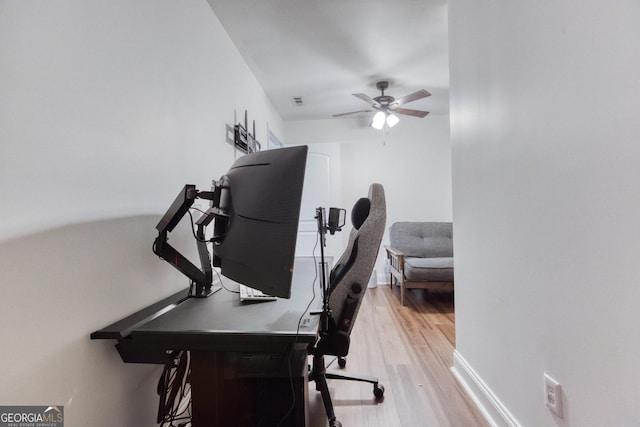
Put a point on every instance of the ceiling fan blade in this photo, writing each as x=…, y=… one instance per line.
x=411, y=97
x=367, y=98
x=410, y=112
x=352, y=112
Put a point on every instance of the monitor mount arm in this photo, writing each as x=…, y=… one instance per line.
x=201, y=277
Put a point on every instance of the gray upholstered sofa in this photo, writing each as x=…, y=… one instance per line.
x=420, y=255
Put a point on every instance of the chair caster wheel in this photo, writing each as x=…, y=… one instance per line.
x=342, y=362
x=378, y=391
x=335, y=423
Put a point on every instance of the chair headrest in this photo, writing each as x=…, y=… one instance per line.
x=360, y=212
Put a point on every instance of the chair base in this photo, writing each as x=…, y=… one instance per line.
x=319, y=374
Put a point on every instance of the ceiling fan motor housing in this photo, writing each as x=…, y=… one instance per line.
x=382, y=85
x=384, y=99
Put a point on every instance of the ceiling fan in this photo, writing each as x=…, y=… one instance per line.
x=386, y=107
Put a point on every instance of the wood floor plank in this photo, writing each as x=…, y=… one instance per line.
x=410, y=349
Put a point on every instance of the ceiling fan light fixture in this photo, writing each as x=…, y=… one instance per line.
x=378, y=120
x=387, y=107
x=392, y=120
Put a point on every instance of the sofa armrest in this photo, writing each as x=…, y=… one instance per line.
x=396, y=264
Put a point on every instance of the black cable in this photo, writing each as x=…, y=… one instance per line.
x=173, y=384
x=197, y=209
x=193, y=228
x=222, y=283
x=184, y=393
x=313, y=288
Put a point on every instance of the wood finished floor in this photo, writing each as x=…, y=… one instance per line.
x=410, y=350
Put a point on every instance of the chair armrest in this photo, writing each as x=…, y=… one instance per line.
x=396, y=261
x=391, y=251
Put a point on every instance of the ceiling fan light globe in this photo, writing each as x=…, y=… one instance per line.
x=378, y=120
x=392, y=120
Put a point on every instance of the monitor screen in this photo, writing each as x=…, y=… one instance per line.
x=260, y=196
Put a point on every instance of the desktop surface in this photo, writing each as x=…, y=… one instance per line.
x=221, y=321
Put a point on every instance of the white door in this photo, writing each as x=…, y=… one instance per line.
x=321, y=189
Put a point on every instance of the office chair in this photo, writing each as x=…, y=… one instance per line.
x=347, y=284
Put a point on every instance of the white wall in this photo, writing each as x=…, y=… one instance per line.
x=412, y=161
x=106, y=110
x=544, y=127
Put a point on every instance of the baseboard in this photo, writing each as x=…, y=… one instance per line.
x=383, y=278
x=493, y=410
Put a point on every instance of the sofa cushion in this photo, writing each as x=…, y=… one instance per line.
x=423, y=239
x=438, y=269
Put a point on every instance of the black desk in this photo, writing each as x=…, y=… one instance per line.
x=244, y=357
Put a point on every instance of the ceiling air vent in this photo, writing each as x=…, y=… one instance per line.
x=297, y=100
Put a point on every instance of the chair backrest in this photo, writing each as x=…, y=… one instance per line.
x=352, y=271
x=422, y=239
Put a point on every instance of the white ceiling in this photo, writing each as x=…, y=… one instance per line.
x=326, y=50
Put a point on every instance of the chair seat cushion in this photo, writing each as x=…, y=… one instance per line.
x=429, y=269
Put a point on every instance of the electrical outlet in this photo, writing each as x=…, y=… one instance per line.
x=553, y=395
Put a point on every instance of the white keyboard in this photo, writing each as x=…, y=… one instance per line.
x=250, y=294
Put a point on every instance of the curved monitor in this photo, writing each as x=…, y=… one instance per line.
x=255, y=238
